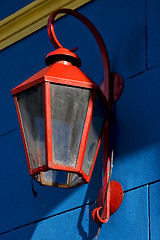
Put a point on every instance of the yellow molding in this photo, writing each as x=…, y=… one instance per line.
x=31, y=18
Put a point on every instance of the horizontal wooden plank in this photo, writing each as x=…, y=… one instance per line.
x=129, y=222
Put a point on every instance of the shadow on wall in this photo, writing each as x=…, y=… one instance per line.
x=94, y=183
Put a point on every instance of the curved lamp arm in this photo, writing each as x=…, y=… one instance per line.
x=106, y=86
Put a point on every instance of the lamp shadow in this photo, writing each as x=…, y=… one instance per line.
x=88, y=203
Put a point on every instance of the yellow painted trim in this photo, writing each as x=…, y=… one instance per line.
x=31, y=18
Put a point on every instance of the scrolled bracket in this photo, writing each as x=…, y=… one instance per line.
x=111, y=87
x=106, y=83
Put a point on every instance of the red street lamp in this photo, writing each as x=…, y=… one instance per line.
x=63, y=115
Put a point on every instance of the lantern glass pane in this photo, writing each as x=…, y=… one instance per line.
x=98, y=117
x=75, y=180
x=59, y=179
x=54, y=178
x=68, y=111
x=32, y=116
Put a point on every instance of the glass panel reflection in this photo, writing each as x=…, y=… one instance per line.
x=75, y=180
x=98, y=117
x=53, y=177
x=32, y=117
x=59, y=179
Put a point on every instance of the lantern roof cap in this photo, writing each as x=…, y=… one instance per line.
x=69, y=75
x=62, y=54
x=57, y=73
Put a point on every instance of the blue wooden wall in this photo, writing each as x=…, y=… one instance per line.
x=132, y=35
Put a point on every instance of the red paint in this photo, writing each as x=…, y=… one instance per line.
x=114, y=200
x=69, y=75
x=118, y=86
x=37, y=170
x=61, y=54
x=106, y=170
x=31, y=82
x=96, y=214
x=48, y=126
x=116, y=196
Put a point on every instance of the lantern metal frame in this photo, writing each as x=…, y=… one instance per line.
x=43, y=77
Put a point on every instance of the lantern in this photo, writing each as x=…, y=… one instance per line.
x=63, y=114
